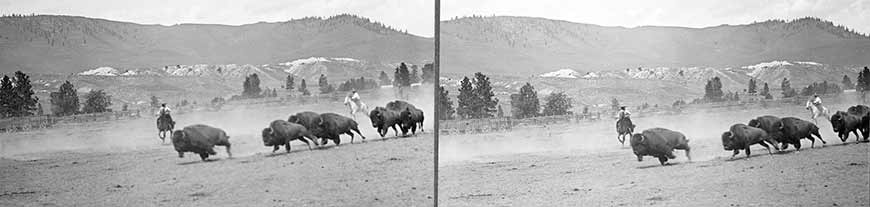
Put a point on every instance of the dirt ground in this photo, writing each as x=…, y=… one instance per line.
x=582, y=164
x=123, y=164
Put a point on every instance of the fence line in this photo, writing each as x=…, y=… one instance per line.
x=17, y=124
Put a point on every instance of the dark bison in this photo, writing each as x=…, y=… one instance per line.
x=399, y=105
x=844, y=123
x=332, y=125
x=741, y=136
x=793, y=129
x=411, y=118
x=281, y=132
x=383, y=119
x=200, y=139
x=308, y=119
x=863, y=112
x=659, y=143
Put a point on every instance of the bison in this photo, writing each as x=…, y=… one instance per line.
x=200, y=139
x=793, y=129
x=399, y=105
x=281, y=132
x=844, y=123
x=659, y=143
x=741, y=136
x=383, y=119
x=863, y=112
x=332, y=125
x=411, y=118
x=308, y=119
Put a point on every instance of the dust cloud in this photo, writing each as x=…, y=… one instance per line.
x=242, y=124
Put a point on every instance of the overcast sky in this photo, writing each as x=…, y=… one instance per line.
x=416, y=16
x=854, y=14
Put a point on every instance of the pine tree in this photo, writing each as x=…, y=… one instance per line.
x=525, y=104
x=863, y=81
x=787, y=91
x=713, y=90
x=7, y=97
x=847, y=82
x=66, y=100
x=466, y=99
x=289, y=83
x=428, y=73
x=96, y=101
x=752, y=86
x=499, y=112
x=614, y=104
x=414, y=78
x=485, y=107
x=559, y=104
x=384, y=79
x=402, y=77
x=445, y=106
x=303, y=88
x=251, y=86
x=155, y=102
x=23, y=99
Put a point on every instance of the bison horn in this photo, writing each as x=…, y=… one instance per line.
x=642, y=138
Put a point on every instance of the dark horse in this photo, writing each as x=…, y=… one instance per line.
x=164, y=124
x=624, y=128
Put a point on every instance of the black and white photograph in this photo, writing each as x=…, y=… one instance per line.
x=654, y=103
x=217, y=103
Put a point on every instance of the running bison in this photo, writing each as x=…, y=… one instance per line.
x=845, y=123
x=308, y=119
x=200, y=139
x=383, y=119
x=281, y=132
x=659, y=143
x=332, y=125
x=863, y=112
x=411, y=119
x=794, y=129
x=741, y=136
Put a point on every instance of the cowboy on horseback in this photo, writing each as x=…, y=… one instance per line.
x=622, y=115
x=816, y=108
x=164, y=113
x=354, y=104
x=354, y=97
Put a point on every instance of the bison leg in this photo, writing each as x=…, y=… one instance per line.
x=204, y=156
x=663, y=160
x=356, y=129
x=229, y=154
x=275, y=148
x=287, y=146
x=765, y=146
x=180, y=154
x=816, y=132
x=736, y=152
x=351, y=136
x=394, y=130
x=748, y=152
x=306, y=142
x=857, y=137
x=688, y=153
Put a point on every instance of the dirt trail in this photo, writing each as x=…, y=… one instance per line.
x=582, y=164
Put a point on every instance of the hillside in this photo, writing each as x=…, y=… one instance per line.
x=68, y=44
x=529, y=46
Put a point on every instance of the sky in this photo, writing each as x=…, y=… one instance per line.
x=854, y=14
x=416, y=16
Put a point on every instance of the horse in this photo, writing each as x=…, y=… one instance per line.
x=624, y=127
x=355, y=107
x=816, y=111
x=164, y=124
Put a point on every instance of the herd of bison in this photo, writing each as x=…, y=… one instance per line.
x=305, y=126
x=764, y=130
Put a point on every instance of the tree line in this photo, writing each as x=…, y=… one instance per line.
x=17, y=99
x=476, y=100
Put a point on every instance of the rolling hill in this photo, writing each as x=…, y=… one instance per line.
x=69, y=44
x=529, y=46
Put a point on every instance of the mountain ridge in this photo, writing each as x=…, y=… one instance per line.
x=64, y=44
x=531, y=45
